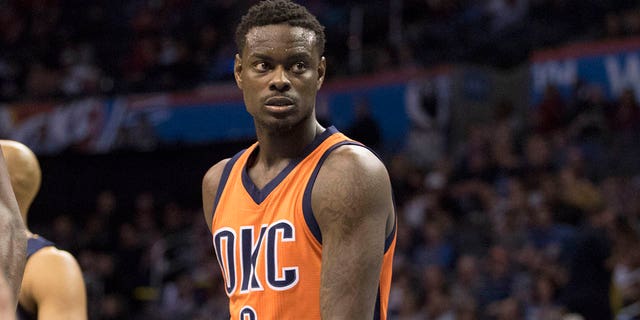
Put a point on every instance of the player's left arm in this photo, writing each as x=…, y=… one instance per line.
x=55, y=282
x=353, y=206
x=13, y=236
x=7, y=306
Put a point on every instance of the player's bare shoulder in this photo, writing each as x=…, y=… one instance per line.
x=352, y=180
x=51, y=271
x=51, y=262
x=210, y=184
x=353, y=167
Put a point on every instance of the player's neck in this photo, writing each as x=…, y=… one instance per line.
x=276, y=146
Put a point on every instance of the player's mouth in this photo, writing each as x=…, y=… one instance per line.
x=279, y=103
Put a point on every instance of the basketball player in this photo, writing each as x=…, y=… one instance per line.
x=13, y=243
x=52, y=287
x=303, y=221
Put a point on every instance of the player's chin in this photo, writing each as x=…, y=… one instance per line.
x=281, y=124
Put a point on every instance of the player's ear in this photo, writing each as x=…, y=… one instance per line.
x=322, y=68
x=237, y=70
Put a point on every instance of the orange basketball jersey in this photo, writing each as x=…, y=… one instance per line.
x=268, y=243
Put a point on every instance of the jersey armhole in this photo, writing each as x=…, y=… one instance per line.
x=223, y=181
x=35, y=243
x=307, y=211
x=389, y=240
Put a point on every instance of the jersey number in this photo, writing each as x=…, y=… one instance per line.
x=247, y=313
x=278, y=278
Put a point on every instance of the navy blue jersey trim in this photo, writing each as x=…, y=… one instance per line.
x=307, y=211
x=377, y=311
x=259, y=195
x=223, y=180
x=389, y=240
x=36, y=243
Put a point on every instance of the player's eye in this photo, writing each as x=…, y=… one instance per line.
x=299, y=67
x=261, y=66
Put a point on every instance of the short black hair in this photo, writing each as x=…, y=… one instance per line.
x=270, y=12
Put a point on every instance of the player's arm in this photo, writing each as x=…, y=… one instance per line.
x=352, y=203
x=7, y=307
x=54, y=282
x=13, y=237
x=210, y=188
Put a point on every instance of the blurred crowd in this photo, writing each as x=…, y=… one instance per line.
x=533, y=219
x=63, y=49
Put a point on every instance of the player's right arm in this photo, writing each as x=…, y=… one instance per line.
x=352, y=203
x=53, y=286
x=13, y=237
x=7, y=308
x=210, y=184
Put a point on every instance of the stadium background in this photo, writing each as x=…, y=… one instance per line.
x=511, y=129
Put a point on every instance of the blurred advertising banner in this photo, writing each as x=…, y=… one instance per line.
x=212, y=113
x=612, y=66
x=139, y=122
x=52, y=128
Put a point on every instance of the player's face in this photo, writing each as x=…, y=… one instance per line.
x=280, y=72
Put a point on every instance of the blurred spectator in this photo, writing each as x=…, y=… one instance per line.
x=496, y=279
x=465, y=286
x=81, y=77
x=550, y=113
x=364, y=127
x=178, y=298
x=626, y=269
x=614, y=26
x=428, y=109
x=63, y=230
x=435, y=249
x=138, y=133
x=544, y=304
x=404, y=299
x=587, y=290
x=503, y=14
x=632, y=21
x=624, y=124
x=626, y=114
x=506, y=309
x=539, y=165
x=438, y=306
x=406, y=179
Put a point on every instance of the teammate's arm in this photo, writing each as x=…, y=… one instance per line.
x=13, y=237
x=352, y=203
x=7, y=307
x=53, y=280
x=210, y=188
